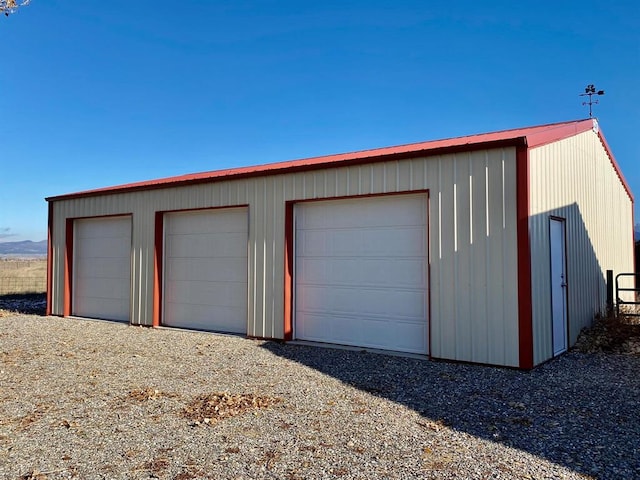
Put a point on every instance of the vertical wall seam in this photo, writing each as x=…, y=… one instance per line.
x=456, y=280
x=264, y=257
x=487, y=243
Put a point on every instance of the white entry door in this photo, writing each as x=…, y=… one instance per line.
x=558, y=285
x=361, y=272
x=205, y=270
x=102, y=268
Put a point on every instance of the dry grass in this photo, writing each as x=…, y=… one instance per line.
x=211, y=408
x=148, y=394
x=611, y=335
x=22, y=276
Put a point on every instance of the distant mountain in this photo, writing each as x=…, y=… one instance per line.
x=26, y=247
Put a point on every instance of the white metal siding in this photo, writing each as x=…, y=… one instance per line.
x=575, y=180
x=361, y=272
x=205, y=270
x=102, y=268
x=472, y=226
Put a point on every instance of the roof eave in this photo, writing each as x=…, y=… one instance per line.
x=291, y=167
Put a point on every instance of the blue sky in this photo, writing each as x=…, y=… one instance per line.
x=103, y=93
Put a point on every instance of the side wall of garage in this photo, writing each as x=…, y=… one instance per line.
x=472, y=247
x=574, y=179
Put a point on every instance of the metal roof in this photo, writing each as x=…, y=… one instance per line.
x=530, y=137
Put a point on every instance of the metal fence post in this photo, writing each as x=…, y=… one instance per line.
x=609, y=292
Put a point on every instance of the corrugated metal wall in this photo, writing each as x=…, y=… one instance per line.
x=472, y=224
x=574, y=179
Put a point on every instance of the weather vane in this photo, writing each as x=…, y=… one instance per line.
x=589, y=92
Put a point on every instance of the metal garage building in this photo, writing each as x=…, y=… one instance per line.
x=489, y=248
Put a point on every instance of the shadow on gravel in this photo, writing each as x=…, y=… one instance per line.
x=28, y=303
x=579, y=411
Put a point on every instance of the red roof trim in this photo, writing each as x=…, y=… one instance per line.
x=316, y=163
x=557, y=132
x=530, y=136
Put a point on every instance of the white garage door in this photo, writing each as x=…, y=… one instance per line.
x=102, y=268
x=205, y=272
x=361, y=272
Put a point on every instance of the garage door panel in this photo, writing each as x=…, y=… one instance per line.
x=105, y=268
x=387, y=211
x=103, y=309
x=388, y=242
x=367, y=272
x=409, y=336
x=100, y=287
x=201, y=245
x=105, y=228
x=370, y=301
x=104, y=247
x=102, y=268
x=205, y=270
x=208, y=317
x=199, y=269
x=360, y=331
x=206, y=293
x=323, y=328
x=361, y=272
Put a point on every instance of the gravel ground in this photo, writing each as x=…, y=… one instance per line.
x=92, y=400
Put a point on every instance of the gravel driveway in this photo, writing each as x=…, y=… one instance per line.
x=90, y=399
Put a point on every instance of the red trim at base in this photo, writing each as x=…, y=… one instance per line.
x=68, y=267
x=288, y=270
x=49, y=258
x=525, y=317
x=157, y=268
